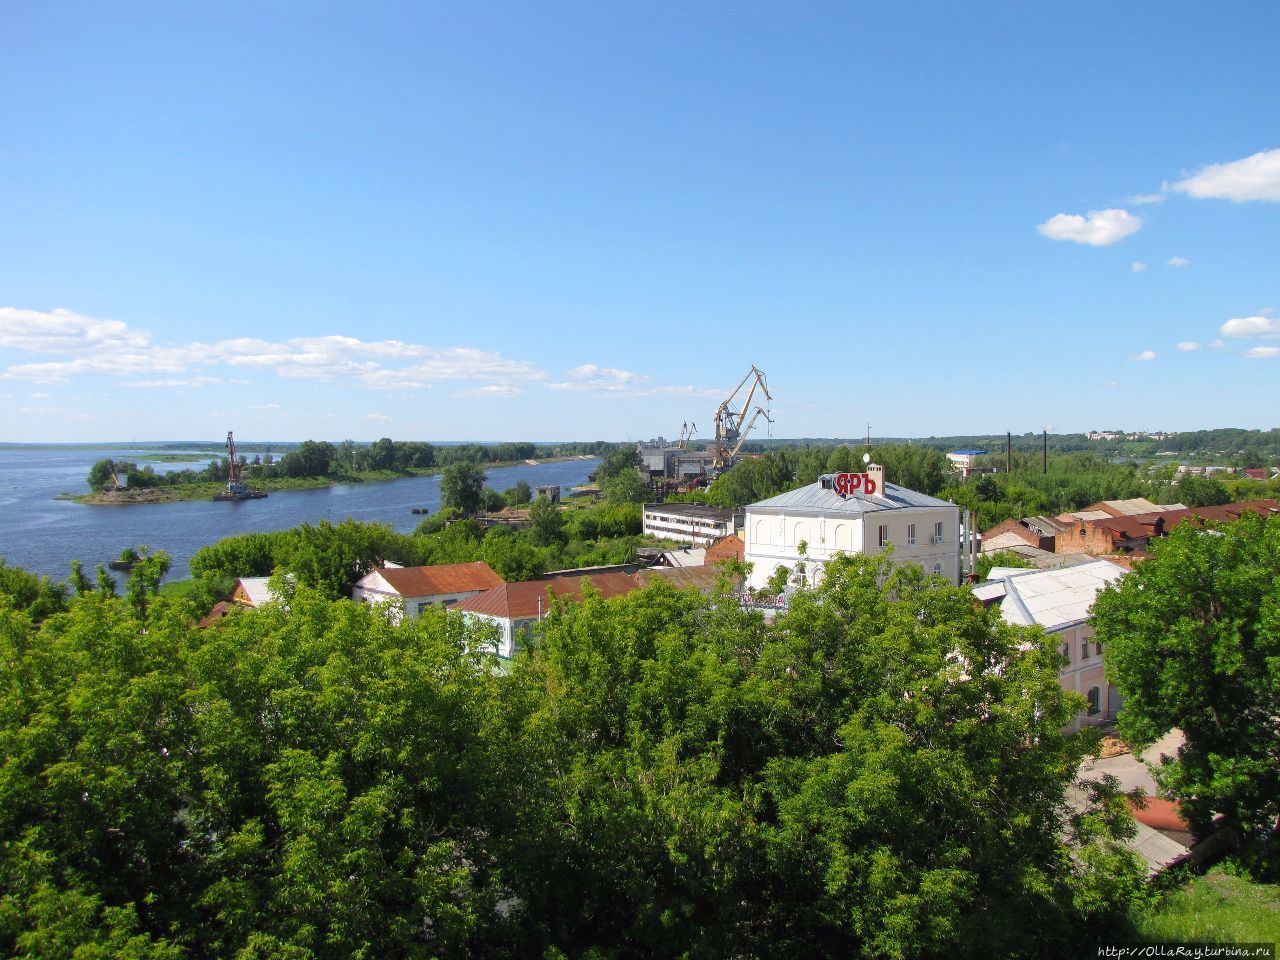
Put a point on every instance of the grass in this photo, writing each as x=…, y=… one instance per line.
x=1217, y=908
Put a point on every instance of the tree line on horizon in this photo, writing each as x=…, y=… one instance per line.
x=320, y=458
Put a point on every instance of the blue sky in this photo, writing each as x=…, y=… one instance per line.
x=587, y=221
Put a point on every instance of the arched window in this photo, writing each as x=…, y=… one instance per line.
x=1094, y=697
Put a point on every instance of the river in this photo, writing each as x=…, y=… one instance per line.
x=43, y=534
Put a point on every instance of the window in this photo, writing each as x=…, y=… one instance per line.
x=884, y=534
x=1066, y=652
x=937, y=568
x=1097, y=649
x=1084, y=649
x=937, y=532
x=1095, y=700
x=911, y=534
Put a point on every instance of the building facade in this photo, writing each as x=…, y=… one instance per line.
x=693, y=523
x=1061, y=602
x=803, y=529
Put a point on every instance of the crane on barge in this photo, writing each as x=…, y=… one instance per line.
x=237, y=489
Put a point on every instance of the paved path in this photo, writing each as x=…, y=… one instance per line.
x=1130, y=770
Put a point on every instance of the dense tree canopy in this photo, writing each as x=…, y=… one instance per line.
x=878, y=773
x=1192, y=637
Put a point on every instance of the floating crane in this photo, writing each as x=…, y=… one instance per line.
x=237, y=489
x=732, y=425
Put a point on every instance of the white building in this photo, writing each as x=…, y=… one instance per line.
x=1061, y=602
x=825, y=521
x=694, y=523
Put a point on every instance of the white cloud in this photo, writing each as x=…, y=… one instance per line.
x=610, y=383
x=64, y=332
x=1100, y=229
x=73, y=344
x=1138, y=266
x=1147, y=198
x=1253, y=178
x=491, y=390
x=1259, y=353
x=589, y=371
x=1217, y=344
x=1186, y=346
x=1145, y=355
x=1256, y=326
x=264, y=406
x=1178, y=262
x=375, y=416
x=173, y=382
x=39, y=396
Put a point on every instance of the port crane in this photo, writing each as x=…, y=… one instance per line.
x=688, y=431
x=732, y=423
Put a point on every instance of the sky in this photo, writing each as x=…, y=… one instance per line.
x=580, y=221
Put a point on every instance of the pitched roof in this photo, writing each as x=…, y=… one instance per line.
x=524, y=601
x=440, y=579
x=1055, y=598
x=704, y=578
x=257, y=591
x=726, y=548
x=816, y=499
x=1143, y=525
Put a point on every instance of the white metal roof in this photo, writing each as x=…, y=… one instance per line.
x=1056, y=598
x=816, y=499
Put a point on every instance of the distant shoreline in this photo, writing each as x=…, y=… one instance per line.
x=205, y=490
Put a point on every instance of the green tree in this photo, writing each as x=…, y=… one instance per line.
x=311, y=459
x=878, y=773
x=461, y=484
x=546, y=523
x=144, y=579
x=511, y=556
x=78, y=582
x=40, y=596
x=518, y=494
x=618, y=461
x=382, y=454
x=1200, y=491
x=625, y=487
x=101, y=474
x=1192, y=640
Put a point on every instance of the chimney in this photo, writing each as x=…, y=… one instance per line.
x=875, y=473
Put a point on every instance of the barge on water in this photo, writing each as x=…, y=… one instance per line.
x=237, y=489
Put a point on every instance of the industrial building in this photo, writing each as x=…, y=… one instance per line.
x=694, y=523
x=662, y=458
x=803, y=529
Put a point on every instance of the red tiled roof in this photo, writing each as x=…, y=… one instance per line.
x=523, y=601
x=441, y=579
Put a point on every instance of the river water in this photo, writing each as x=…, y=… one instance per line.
x=43, y=534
